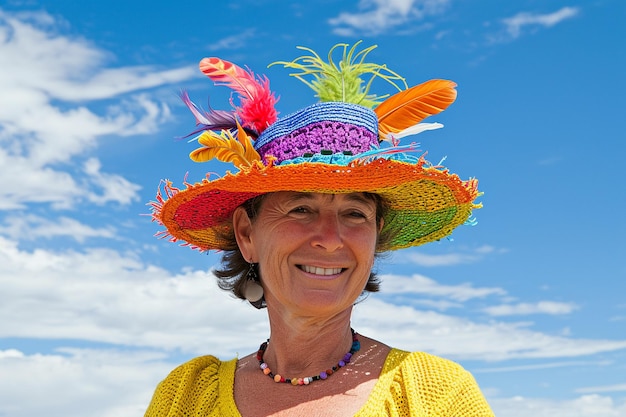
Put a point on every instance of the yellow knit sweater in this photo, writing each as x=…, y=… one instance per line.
x=411, y=384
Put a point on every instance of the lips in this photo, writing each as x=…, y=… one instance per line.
x=320, y=271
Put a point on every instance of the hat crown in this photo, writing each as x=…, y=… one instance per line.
x=333, y=127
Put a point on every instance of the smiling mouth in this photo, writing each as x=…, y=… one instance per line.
x=320, y=271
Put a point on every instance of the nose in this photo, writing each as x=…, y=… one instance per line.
x=327, y=233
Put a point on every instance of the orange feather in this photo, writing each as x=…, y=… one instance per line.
x=411, y=106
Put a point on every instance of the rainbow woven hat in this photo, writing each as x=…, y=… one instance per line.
x=333, y=146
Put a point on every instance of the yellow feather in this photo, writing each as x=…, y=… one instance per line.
x=250, y=154
x=413, y=105
x=224, y=147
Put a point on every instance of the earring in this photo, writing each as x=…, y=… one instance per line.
x=253, y=291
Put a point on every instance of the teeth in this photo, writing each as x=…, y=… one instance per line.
x=320, y=271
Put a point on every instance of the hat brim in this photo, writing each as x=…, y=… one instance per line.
x=425, y=203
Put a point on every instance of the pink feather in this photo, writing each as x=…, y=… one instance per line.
x=257, y=101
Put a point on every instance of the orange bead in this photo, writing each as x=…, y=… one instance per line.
x=267, y=371
x=276, y=378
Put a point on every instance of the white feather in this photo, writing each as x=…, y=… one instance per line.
x=412, y=130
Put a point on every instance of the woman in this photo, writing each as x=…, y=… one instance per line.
x=315, y=200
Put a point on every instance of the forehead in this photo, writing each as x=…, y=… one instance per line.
x=302, y=196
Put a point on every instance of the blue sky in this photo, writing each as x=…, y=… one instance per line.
x=94, y=310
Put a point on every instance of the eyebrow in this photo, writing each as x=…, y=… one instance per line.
x=361, y=197
x=356, y=196
x=297, y=195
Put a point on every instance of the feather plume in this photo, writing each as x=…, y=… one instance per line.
x=373, y=154
x=211, y=120
x=343, y=81
x=409, y=107
x=257, y=101
x=394, y=138
x=226, y=148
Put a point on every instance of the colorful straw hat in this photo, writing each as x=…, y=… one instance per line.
x=348, y=142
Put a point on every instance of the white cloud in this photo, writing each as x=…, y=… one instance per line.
x=430, y=260
x=515, y=25
x=100, y=295
x=113, y=187
x=536, y=366
x=541, y=307
x=378, y=16
x=22, y=183
x=439, y=305
x=79, y=382
x=48, y=117
x=584, y=406
x=232, y=42
x=419, y=284
x=463, y=339
x=423, y=259
x=30, y=58
x=29, y=227
x=603, y=388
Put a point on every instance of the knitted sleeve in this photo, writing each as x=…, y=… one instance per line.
x=201, y=387
x=463, y=398
x=421, y=385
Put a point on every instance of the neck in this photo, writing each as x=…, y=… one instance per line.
x=301, y=347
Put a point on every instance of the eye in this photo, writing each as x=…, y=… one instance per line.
x=357, y=214
x=300, y=210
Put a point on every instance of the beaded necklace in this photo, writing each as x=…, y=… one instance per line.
x=356, y=346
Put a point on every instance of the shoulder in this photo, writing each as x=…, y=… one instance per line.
x=204, y=370
x=437, y=384
x=198, y=382
x=423, y=363
x=201, y=366
x=425, y=372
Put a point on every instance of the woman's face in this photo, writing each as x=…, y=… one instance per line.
x=315, y=251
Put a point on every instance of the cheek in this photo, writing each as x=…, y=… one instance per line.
x=364, y=246
x=283, y=236
x=273, y=244
x=365, y=239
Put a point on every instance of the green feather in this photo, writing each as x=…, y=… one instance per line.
x=343, y=81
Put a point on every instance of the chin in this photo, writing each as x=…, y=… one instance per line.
x=324, y=301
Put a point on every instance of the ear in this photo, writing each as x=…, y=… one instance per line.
x=242, y=227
